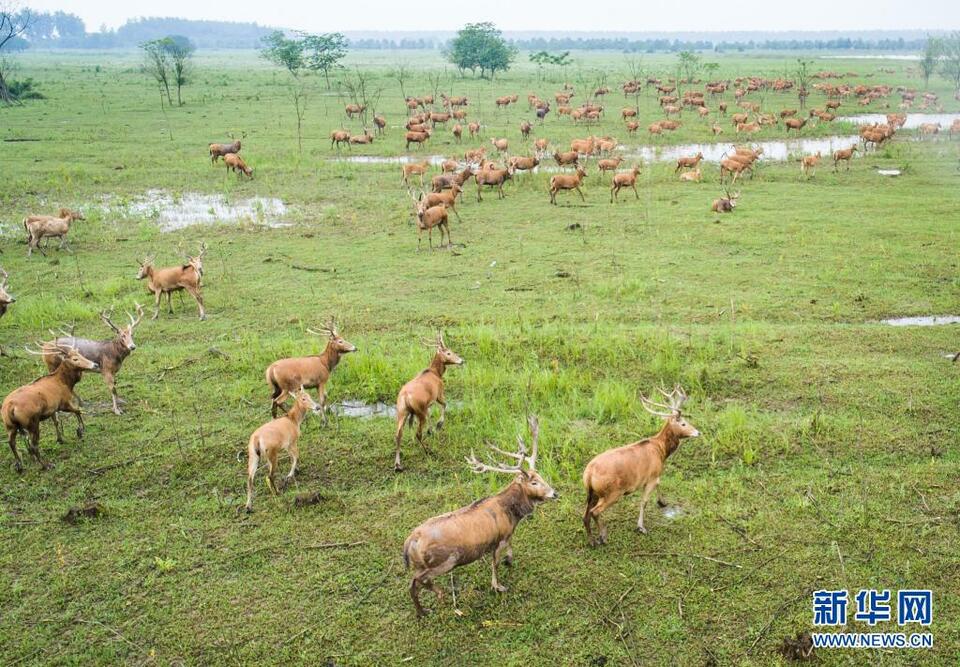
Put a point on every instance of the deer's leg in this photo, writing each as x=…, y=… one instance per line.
x=12, y=438
x=33, y=444
x=415, y=596
x=156, y=304
x=112, y=384
x=294, y=457
x=74, y=407
x=508, y=553
x=195, y=293
x=271, y=456
x=441, y=401
x=398, y=436
x=635, y=194
x=253, y=462
x=278, y=402
x=580, y=192
x=427, y=577
x=497, y=586
x=322, y=400
x=58, y=427
x=643, y=503
x=170, y=302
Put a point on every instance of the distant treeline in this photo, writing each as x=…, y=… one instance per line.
x=653, y=45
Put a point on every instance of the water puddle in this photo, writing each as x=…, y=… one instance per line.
x=194, y=208
x=889, y=172
x=361, y=410
x=922, y=321
x=673, y=512
x=772, y=150
x=396, y=159
x=914, y=120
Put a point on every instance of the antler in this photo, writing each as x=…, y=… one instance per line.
x=328, y=329
x=675, y=401
x=135, y=322
x=520, y=456
x=105, y=316
x=3, y=274
x=203, y=249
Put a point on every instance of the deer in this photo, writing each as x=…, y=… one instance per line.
x=541, y=146
x=843, y=155
x=808, y=164
x=716, y=129
x=522, y=163
x=109, y=355
x=427, y=219
x=465, y=535
x=493, y=178
x=609, y=164
x=354, y=109
x=560, y=182
x=621, y=471
x=24, y=408
x=458, y=132
x=380, y=124
x=688, y=162
x=5, y=297
x=41, y=227
x=217, y=151
x=624, y=179
x=794, y=124
x=566, y=158
x=173, y=279
x=286, y=376
x=693, y=176
x=725, y=204
x=632, y=126
x=735, y=166
x=413, y=169
x=236, y=164
x=362, y=139
x=628, y=112
x=473, y=128
x=280, y=434
x=447, y=198
x=418, y=138
x=525, y=129
x=500, y=144
x=338, y=137
x=419, y=394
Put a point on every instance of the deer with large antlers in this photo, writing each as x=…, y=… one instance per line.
x=417, y=395
x=108, y=354
x=286, y=376
x=173, y=279
x=280, y=434
x=24, y=408
x=460, y=537
x=621, y=471
x=5, y=297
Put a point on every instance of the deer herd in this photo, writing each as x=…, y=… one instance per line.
x=456, y=538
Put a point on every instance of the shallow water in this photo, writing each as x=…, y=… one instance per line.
x=914, y=120
x=778, y=150
x=194, y=208
x=922, y=321
x=361, y=410
x=672, y=511
x=385, y=159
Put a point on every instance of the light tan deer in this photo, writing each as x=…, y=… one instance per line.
x=173, y=279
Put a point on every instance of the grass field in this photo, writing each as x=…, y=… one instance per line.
x=829, y=456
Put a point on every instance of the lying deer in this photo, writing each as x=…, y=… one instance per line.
x=108, y=354
x=694, y=176
x=41, y=227
x=725, y=204
x=287, y=375
x=567, y=182
x=417, y=395
x=5, y=297
x=275, y=436
x=621, y=471
x=460, y=537
x=24, y=408
x=173, y=279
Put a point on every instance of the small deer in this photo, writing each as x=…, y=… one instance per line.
x=280, y=434
x=173, y=279
x=41, y=227
x=460, y=537
x=108, y=354
x=621, y=471
x=417, y=395
x=285, y=376
x=24, y=408
x=808, y=164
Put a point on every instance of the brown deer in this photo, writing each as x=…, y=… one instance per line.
x=445, y=197
x=624, y=179
x=418, y=138
x=338, y=137
x=808, y=164
x=465, y=535
x=24, y=408
x=500, y=144
x=725, y=204
x=280, y=434
x=525, y=129
x=217, y=151
x=736, y=167
x=621, y=471
x=566, y=159
x=285, y=376
x=794, y=124
x=427, y=219
x=109, y=355
x=692, y=176
x=41, y=227
x=417, y=395
x=236, y=164
x=843, y=155
x=173, y=279
x=413, y=169
x=567, y=182
x=493, y=178
x=380, y=123
x=354, y=109
x=609, y=164
x=5, y=297
x=688, y=162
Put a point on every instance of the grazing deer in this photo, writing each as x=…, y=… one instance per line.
x=725, y=204
x=285, y=376
x=236, y=164
x=621, y=471
x=624, y=179
x=417, y=395
x=560, y=182
x=41, y=227
x=808, y=164
x=460, y=537
x=108, y=354
x=24, y=408
x=280, y=434
x=843, y=155
x=5, y=297
x=173, y=279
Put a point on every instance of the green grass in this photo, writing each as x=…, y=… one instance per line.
x=829, y=455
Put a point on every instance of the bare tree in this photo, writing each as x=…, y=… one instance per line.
x=156, y=63
x=356, y=85
x=13, y=23
x=400, y=73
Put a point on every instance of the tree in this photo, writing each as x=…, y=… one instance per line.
x=12, y=25
x=542, y=58
x=157, y=64
x=400, y=73
x=928, y=64
x=180, y=50
x=802, y=77
x=323, y=53
x=689, y=65
x=949, y=56
x=288, y=53
x=481, y=46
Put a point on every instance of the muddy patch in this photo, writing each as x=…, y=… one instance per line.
x=914, y=120
x=193, y=208
x=75, y=515
x=361, y=410
x=922, y=321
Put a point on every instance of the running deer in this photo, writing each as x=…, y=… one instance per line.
x=688, y=162
x=621, y=471
x=285, y=376
x=280, y=434
x=624, y=179
x=108, y=354
x=417, y=395
x=173, y=279
x=567, y=182
x=41, y=227
x=465, y=535
x=24, y=408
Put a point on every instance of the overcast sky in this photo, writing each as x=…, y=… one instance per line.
x=684, y=15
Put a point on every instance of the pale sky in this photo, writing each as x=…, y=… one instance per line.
x=623, y=15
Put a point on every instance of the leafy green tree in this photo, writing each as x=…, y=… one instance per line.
x=543, y=58
x=12, y=25
x=481, y=46
x=283, y=52
x=156, y=63
x=689, y=64
x=180, y=50
x=928, y=64
x=323, y=53
x=949, y=57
